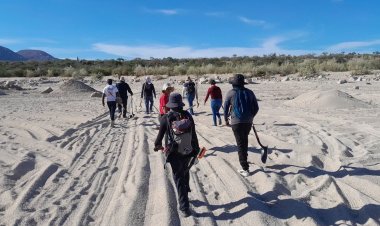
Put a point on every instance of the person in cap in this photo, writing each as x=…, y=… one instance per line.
x=216, y=101
x=147, y=92
x=241, y=104
x=110, y=92
x=167, y=88
x=180, y=159
x=124, y=89
x=190, y=92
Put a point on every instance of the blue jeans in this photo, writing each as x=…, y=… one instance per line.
x=216, y=104
x=148, y=107
x=190, y=99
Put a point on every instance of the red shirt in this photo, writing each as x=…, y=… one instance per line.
x=215, y=92
x=164, y=99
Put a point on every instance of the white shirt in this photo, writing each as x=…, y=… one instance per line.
x=110, y=92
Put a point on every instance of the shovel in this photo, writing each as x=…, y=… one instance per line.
x=264, y=152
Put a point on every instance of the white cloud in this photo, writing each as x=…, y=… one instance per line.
x=269, y=46
x=5, y=41
x=216, y=14
x=259, y=23
x=350, y=46
x=168, y=12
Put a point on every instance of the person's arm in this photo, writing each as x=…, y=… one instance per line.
x=161, y=133
x=183, y=91
x=154, y=91
x=194, y=139
x=117, y=92
x=208, y=93
x=255, y=105
x=103, y=96
x=142, y=90
x=129, y=90
x=196, y=92
x=227, y=104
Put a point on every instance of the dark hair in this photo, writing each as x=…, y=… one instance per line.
x=109, y=81
x=212, y=82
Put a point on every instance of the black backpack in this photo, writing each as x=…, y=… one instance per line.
x=180, y=133
x=191, y=87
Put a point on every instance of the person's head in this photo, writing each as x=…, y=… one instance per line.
x=148, y=80
x=188, y=79
x=122, y=79
x=167, y=88
x=109, y=81
x=175, y=102
x=238, y=80
x=212, y=82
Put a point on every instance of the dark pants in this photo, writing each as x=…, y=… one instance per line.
x=112, y=106
x=123, y=107
x=241, y=132
x=148, y=104
x=190, y=99
x=181, y=178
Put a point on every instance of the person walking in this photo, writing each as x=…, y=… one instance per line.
x=216, y=101
x=167, y=88
x=110, y=92
x=147, y=92
x=241, y=104
x=190, y=92
x=123, y=89
x=181, y=147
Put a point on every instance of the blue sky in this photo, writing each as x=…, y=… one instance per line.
x=94, y=29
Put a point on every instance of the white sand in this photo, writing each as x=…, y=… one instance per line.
x=61, y=163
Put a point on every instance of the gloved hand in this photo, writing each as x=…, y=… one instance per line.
x=158, y=147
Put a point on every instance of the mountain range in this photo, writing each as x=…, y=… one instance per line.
x=24, y=55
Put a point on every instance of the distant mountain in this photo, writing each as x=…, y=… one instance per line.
x=8, y=55
x=35, y=55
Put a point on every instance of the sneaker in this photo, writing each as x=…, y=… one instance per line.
x=185, y=213
x=244, y=173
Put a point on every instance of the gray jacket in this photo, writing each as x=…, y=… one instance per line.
x=229, y=103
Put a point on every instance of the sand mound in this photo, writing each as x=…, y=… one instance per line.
x=320, y=99
x=75, y=86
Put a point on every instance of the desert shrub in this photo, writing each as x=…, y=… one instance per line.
x=53, y=72
x=307, y=67
x=68, y=71
x=192, y=70
x=359, y=66
x=96, y=77
x=139, y=70
x=180, y=69
x=30, y=73
x=331, y=65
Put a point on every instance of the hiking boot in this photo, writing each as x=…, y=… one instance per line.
x=244, y=173
x=185, y=213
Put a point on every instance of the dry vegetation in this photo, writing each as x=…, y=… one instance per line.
x=267, y=65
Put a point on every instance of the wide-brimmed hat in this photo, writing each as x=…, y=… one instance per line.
x=175, y=100
x=238, y=80
x=166, y=85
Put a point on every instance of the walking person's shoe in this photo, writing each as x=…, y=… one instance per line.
x=185, y=213
x=244, y=173
x=220, y=121
x=112, y=123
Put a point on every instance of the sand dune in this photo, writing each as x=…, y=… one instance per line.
x=61, y=163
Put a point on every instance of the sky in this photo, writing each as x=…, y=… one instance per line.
x=95, y=29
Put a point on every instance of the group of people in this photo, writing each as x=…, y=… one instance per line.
x=177, y=125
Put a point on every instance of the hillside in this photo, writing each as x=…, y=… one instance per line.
x=8, y=55
x=35, y=55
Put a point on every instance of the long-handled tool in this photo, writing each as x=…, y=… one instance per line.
x=264, y=152
x=132, y=114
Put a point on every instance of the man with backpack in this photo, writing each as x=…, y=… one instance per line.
x=190, y=92
x=241, y=104
x=147, y=93
x=124, y=89
x=111, y=92
x=181, y=147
